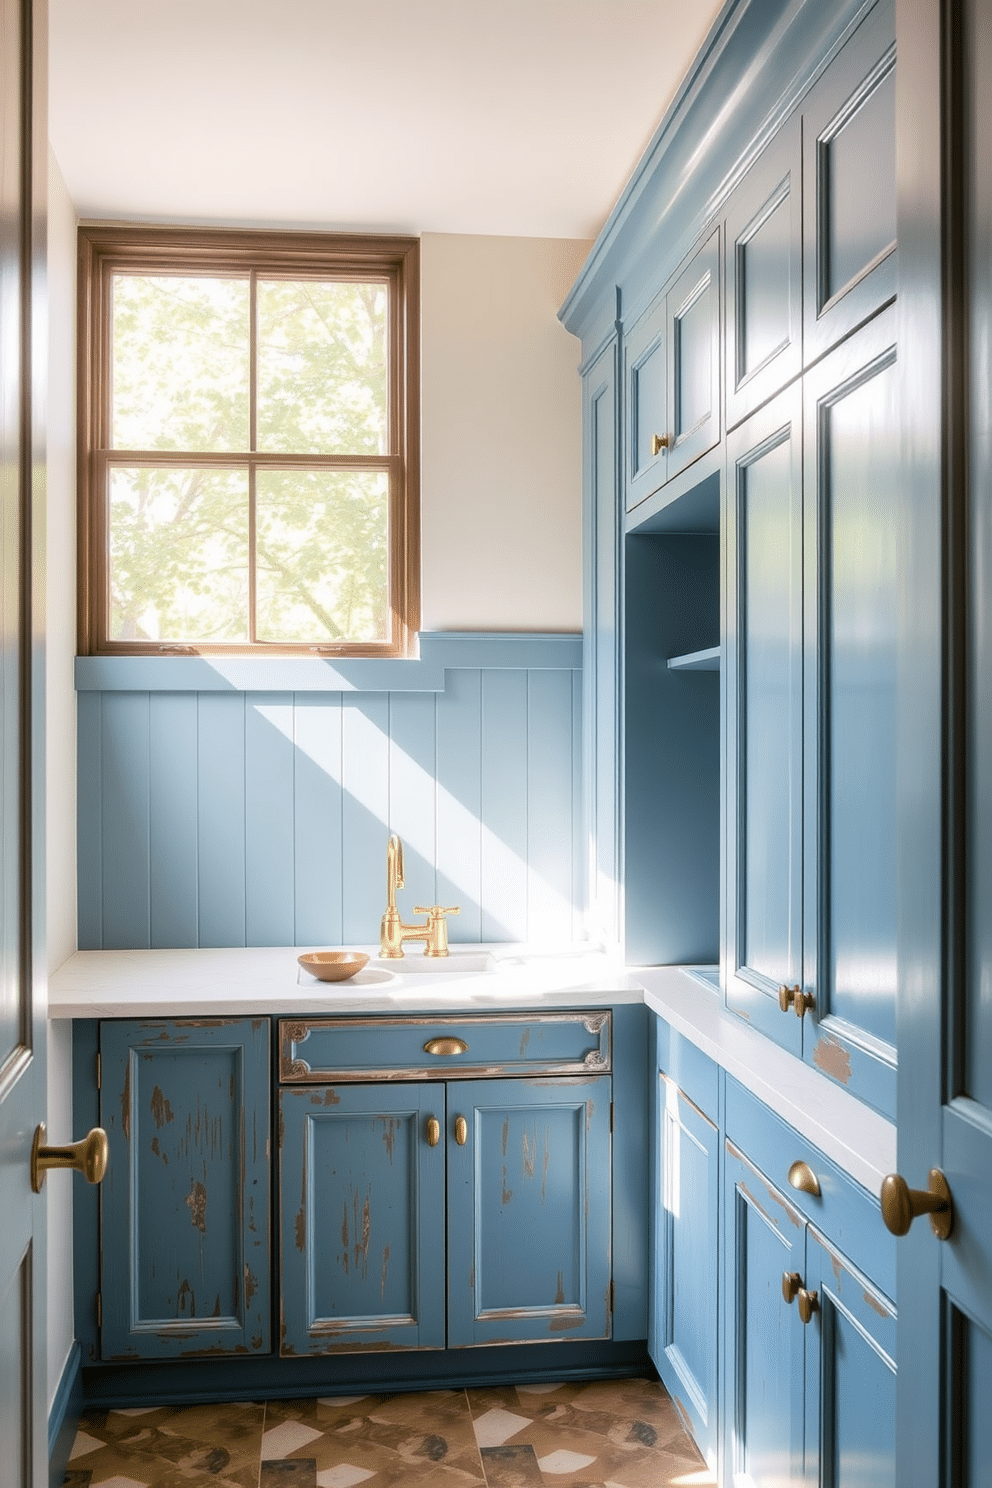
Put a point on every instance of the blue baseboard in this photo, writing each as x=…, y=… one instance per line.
x=118, y=1386
x=64, y=1416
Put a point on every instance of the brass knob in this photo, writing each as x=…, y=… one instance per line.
x=902, y=1204
x=809, y=1303
x=433, y=1131
x=791, y=1282
x=802, y=1177
x=794, y=998
x=658, y=443
x=88, y=1157
x=461, y=1130
x=446, y=1046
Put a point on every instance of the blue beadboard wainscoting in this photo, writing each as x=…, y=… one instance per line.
x=248, y=802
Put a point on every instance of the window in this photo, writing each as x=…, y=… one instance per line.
x=249, y=426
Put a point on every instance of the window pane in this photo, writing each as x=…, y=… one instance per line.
x=180, y=363
x=321, y=571
x=322, y=350
x=178, y=555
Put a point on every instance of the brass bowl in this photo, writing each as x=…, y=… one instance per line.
x=332, y=966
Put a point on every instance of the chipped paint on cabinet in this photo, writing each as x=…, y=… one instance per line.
x=185, y=1203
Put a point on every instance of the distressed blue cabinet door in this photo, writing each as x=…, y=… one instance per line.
x=600, y=665
x=529, y=1210
x=686, y=1262
x=693, y=337
x=764, y=661
x=764, y=1239
x=849, y=186
x=185, y=1264
x=853, y=598
x=764, y=296
x=850, y=1376
x=646, y=389
x=362, y=1218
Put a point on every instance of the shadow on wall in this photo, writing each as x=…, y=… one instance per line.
x=218, y=818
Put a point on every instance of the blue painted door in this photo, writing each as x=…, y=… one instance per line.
x=646, y=401
x=361, y=1173
x=528, y=1210
x=763, y=1345
x=693, y=337
x=764, y=689
x=185, y=1259
x=945, y=819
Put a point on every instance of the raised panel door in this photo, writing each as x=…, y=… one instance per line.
x=529, y=1210
x=849, y=186
x=764, y=659
x=646, y=399
x=693, y=341
x=764, y=292
x=362, y=1217
x=185, y=1259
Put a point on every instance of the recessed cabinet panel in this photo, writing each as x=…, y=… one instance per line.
x=764, y=690
x=646, y=381
x=694, y=358
x=529, y=1211
x=361, y=1190
x=764, y=276
x=853, y=487
x=849, y=197
x=185, y=1202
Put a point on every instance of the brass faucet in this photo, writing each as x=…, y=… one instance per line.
x=393, y=933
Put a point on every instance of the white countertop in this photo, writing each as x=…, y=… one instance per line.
x=265, y=981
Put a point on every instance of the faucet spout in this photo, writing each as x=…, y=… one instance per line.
x=394, y=871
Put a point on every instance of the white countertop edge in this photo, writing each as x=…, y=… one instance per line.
x=857, y=1138
x=266, y=981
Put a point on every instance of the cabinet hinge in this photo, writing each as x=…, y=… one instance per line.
x=99, y=1071
x=99, y=1309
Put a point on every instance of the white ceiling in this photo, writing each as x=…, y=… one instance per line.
x=519, y=117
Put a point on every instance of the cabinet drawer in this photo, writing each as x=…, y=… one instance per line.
x=340, y=1049
x=844, y=1212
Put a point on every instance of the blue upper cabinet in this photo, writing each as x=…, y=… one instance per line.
x=764, y=304
x=849, y=185
x=672, y=376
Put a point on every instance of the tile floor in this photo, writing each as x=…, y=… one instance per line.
x=607, y=1434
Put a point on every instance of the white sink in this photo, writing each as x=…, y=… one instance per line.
x=457, y=962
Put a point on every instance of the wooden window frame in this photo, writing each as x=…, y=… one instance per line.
x=104, y=250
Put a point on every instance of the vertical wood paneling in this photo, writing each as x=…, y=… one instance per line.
x=317, y=808
x=221, y=811
x=124, y=775
x=365, y=813
x=549, y=805
x=269, y=847
x=413, y=793
x=504, y=805
x=219, y=819
x=89, y=821
x=459, y=801
x=172, y=796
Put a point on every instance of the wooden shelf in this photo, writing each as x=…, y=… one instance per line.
x=696, y=661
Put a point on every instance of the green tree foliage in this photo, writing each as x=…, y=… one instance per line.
x=179, y=535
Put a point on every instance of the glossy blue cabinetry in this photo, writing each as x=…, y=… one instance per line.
x=184, y=1217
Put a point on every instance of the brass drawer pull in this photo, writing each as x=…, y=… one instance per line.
x=802, y=1177
x=796, y=999
x=791, y=1282
x=809, y=1303
x=433, y=1131
x=88, y=1157
x=446, y=1046
x=659, y=442
x=902, y=1204
x=461, y=1130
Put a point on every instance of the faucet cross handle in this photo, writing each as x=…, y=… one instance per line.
x=434, y=910
x=437, y=927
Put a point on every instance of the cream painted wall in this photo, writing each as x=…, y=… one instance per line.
x=501, y=421
x=60, y=740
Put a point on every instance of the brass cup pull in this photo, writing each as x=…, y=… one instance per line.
x=433, y=1131
x=809, y=1303
x=446, y=1046
x=659, y=442
x=794, y=998
x=902, y=1204
x=791, y=1282
x=461, y=1130
x=802, y=1177
x=88, y=1157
